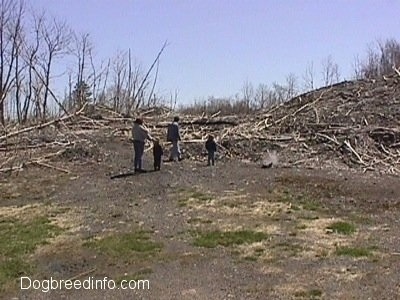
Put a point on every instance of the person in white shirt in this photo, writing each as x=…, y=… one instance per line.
x=174, y=136
x=139, y=134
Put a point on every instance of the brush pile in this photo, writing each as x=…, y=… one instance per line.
x=353, y=124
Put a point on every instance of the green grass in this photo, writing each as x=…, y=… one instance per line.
x=250, y=258
x=200, y=196
x=125, y=245
x=308, y=216
x=342, y=228
x=198, y=221
x=18, y=240
x=298, y=200
x=185, y=196
x=301, y=227
x=318, y=188
x=286, y=247
x=309, y=294
x=308, y=204
x=353, y=251
x=139, y=275
x=229, y=238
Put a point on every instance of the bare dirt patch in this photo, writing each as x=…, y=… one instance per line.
x=273, y=231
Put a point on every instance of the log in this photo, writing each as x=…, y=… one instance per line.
x=41, y=126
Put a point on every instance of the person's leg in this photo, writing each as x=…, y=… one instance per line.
x=141, y=151
x=159, y=164
x=178, y=150
x=208, y=158
x=212, y=157
x=136, y=154
x=171, y=152
x=174, y=150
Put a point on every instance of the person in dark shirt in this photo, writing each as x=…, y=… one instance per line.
x=211, y=148
x=157, y=154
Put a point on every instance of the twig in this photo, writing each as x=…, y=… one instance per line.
x=82, y=274
x=347, y=143
x=40, y=163
x=40, y=126
x=396, y=70
x=333, y=140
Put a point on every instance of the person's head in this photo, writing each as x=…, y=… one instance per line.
x=156, y=142
x=210, y=137
x=176, y=119
x=139, y=121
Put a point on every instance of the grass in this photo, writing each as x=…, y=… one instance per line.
x=198, y=221
x=298, y=200
x=229, y=238
x=309, y=294
x=301, y=227
x=308, y=216
x=317, y=187
x=310, y=205
x=342, y=228
x=18, y=240
x=353, y=251
x=288, y=248
x=187, y=195
x=126, y=245
x=39, y=187
x=257, y=253
x=139, y=275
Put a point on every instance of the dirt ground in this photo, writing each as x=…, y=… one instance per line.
x=290, y=244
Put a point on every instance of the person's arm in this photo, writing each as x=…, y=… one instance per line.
x=178, y=134
x=147, y=133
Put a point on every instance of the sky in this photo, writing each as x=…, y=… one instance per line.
x=215, y=46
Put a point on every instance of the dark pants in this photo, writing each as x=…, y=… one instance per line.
x=138, y=147
x=157, y=163
x=211, y=158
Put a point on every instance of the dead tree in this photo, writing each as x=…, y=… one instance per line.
x=30, y=55
x=309, y=77
x=56, y=36
x=11, y=13
x=330, y=71
x=138, y=96
x=82, y=49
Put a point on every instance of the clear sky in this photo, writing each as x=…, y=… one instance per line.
x=217, y=45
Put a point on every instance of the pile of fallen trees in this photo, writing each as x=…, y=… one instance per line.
x=353, y=124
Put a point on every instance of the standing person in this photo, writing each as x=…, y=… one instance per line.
x=139, y=134
x=157, y=154
x=173, y=135
x=211, y=148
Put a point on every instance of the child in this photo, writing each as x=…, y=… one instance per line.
x=157, y=154
x=211, y=147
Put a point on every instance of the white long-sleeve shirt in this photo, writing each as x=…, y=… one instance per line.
x=140, y=133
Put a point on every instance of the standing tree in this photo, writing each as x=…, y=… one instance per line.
x=248, y=95
x=56, y=37
x=82, y=94
x=330, y=71
x=262, y=96
x=291, y=84
x=381, y=59
x=309, y=77
x=11, y=13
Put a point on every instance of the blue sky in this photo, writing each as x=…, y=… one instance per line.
x=217, y=45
